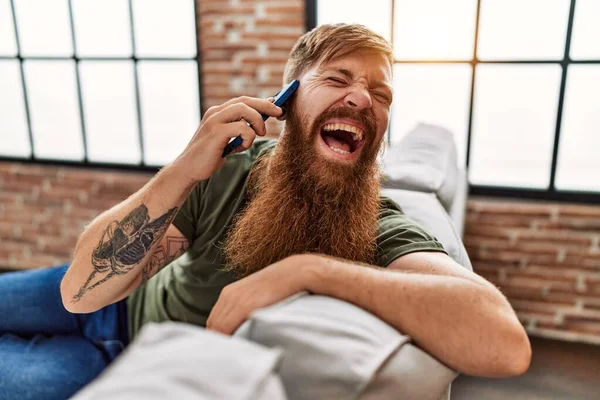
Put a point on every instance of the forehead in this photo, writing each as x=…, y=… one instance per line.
x=371, y=66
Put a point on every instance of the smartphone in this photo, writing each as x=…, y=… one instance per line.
x=280, y=98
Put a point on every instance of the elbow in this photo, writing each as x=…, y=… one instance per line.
x=69, y=302
x=519, y=361
x=513, y=355
x=505, y=352
x=75, y=307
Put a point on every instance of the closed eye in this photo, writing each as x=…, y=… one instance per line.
x=339, y=81
x=382, y=97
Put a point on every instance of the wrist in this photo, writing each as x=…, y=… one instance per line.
x=178, y=170
x=312, y=272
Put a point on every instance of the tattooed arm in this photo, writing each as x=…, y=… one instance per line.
x=126, y=245
x=172, y=245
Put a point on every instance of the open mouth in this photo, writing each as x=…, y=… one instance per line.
x=342, y=138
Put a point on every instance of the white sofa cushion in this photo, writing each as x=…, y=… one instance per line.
x=426, y=210
x=305, y=347
x=173, y=360
x=336, y=350
x=426, y=161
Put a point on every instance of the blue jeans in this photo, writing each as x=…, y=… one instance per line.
x=45, y=351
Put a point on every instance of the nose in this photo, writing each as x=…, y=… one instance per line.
x=358, y=98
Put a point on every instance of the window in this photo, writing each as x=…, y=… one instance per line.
x=112, y=82
x=522, y=102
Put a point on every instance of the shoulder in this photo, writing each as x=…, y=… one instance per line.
x=388, y=207
x=399, y=235
x=391, y=216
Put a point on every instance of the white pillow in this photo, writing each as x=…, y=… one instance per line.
x=426, y=210
x=173, y=360
x=426, y=161
x=336, y=350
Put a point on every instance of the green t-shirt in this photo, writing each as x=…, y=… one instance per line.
x=187, y=288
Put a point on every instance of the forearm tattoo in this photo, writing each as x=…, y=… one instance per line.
x=176, y=246
x=124, y=245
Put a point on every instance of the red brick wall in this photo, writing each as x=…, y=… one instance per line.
x=544, y=257
x=43, y=209
x=245, y=45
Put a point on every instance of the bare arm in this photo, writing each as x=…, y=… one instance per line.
x=451, y=313
x=455, y=315
x=126, y=244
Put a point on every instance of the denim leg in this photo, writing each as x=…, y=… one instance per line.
x=47, y=352
x=48, y=368
x=30, y=303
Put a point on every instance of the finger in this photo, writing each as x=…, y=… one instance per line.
x=261, y=105
x=217, y=324
x=210, y=112
x=229, y=320
x=241, y=111
x=213, y=316
x=239, y=128
x=264, y=106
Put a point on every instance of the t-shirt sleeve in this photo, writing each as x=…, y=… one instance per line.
x=398, y=235
x=188, y=215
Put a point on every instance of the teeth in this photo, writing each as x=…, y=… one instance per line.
x=357, y=134
x=340, y=151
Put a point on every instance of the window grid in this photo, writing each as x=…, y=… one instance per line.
x=77, y=59
x=551, y=193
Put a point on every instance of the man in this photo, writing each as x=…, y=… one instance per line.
x=243, y=233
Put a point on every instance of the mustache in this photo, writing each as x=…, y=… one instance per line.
x=364, y=117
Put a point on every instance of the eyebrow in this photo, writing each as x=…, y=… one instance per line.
x=345, y=72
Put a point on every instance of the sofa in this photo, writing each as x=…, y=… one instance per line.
x=307, y=346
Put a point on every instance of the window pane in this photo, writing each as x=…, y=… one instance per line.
x=13, y=123
x=8, y=45
x=44, y=27
x=102, y=28
x=170, y=107
x=54, y=109
x=164, y=28
x=578, y=161
x=522, y=30
x=514, y=120
x=434, y=29
x=108, y=90
x=375, y=15
x=433, y=94
x=586, y=30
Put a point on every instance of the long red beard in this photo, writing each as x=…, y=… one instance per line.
x=301, y=202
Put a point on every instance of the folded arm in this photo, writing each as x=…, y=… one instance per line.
x=455, y=315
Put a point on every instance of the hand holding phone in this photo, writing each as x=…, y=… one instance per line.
x=280, y=98
x=241, y=116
